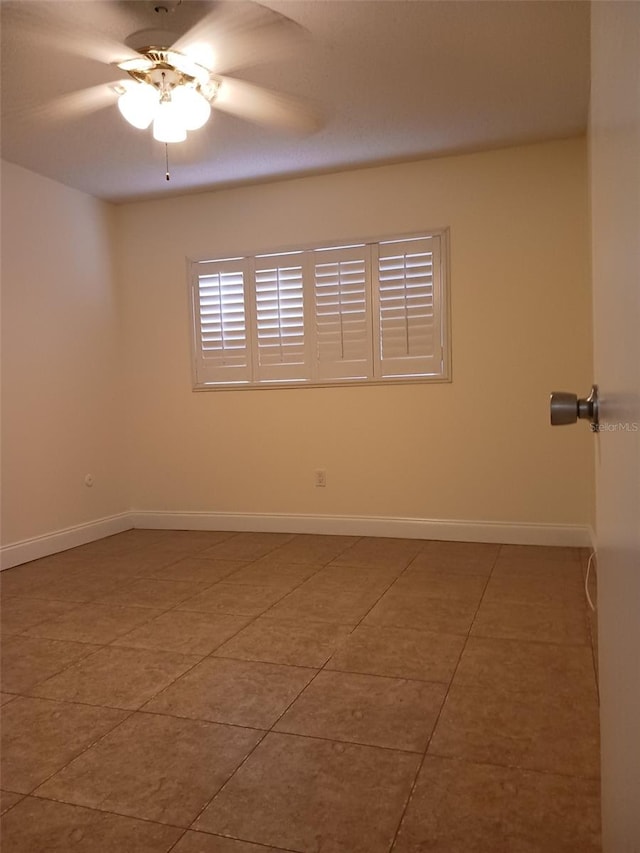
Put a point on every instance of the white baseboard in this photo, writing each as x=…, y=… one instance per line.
x=506, y=532
x=50, y=543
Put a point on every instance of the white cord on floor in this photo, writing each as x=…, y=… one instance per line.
x=586, y=581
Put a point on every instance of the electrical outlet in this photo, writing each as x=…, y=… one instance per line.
x=321, y=477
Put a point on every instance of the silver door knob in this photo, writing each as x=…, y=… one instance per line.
x=566, y=408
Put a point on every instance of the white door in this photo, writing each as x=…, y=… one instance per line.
x=615, y=202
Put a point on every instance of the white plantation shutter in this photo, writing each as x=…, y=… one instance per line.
x=218, y=296
x=369, y=312
x=408, y=302
x=280, y=351
x=342, y=313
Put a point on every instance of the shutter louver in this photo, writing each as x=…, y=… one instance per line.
x=342, y=314
x=221, y=323
x=279, y=311
x=408, y=297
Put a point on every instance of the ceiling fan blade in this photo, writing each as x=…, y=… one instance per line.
x=238, y=35
x=56, y=26
x=263, y=106
x=76, y=104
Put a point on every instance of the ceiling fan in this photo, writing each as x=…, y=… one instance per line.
x=172, y=84
x=179, y=65
x=167, y=89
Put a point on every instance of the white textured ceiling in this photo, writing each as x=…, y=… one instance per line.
x=391, y=80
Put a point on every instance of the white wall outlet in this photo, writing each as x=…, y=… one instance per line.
x=321, y=477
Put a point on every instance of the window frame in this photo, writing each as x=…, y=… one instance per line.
x=312, y=379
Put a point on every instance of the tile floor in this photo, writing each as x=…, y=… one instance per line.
x=203, y=692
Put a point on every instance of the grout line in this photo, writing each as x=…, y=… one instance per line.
x=252, y=620
x=242, y=763
x=258, y=844
x=538, y=771
x=437, y=720
x=271, y=730
x=107, y=811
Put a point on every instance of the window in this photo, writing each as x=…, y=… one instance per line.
x=369, y=312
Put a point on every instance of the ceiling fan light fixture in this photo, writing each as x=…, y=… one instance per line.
x=168, y=125
x=139, y=105
x=193, y=108
x=188, y=66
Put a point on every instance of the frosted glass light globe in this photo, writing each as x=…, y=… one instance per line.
x=139, y=105
x=194, y=109
x=168, y=125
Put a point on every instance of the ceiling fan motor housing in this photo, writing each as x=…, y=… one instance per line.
x=156, y=39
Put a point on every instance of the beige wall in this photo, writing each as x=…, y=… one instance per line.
x=479, y=448
x=61, y=398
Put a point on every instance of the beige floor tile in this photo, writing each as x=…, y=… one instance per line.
x=517, y=620
x=544, y=571
x=413, y=609
x=18, y=614
x=29, y=660
x=307, y=795
x=186, y=632
x=532, y=731
x=194, y=541
x=29, y=579
x=440, y=584
x=235, y=599
x=480, y=568
x=370, y=552
x=399, y=653
x=120, y=569
x=93, y=623
x=314, y=550
x=154, y=767
x=472, y=551
x=537, y=667
x=531, y=590
x=154, y=593
x=457, y=557
x=40, y=826
x=276, y=574
x=346, y=606
x=202, y=842
x=540, y=552
x=459, y=807
x=8, y=800
x=367, y=709
x=116, y=545
x=241, y=693
x=376, y=579
x=59, y=563
x=285, y=642
x=117, y=677
x=267, y=612
x=40, y=736
x=247, y=546
x=145, y=562
x=80, y=587
x=198, y=569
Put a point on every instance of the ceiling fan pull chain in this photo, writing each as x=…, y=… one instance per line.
x=166, y=161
